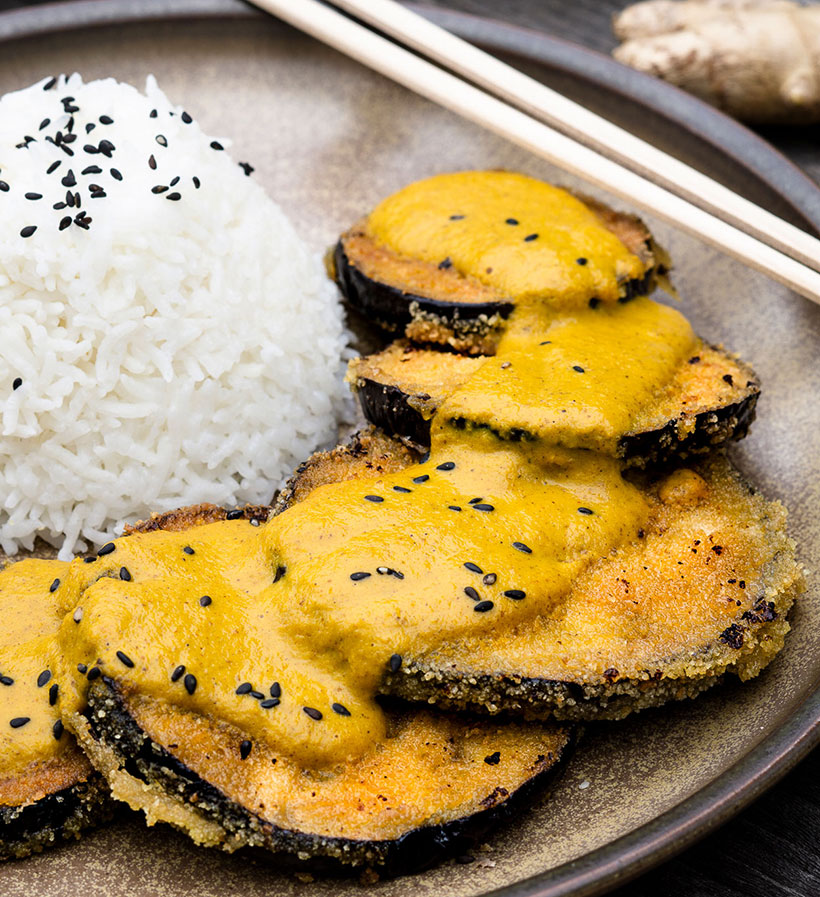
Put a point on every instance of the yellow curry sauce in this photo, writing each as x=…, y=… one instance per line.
x=285, y=630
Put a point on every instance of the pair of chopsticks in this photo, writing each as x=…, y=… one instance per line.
x=559, y=130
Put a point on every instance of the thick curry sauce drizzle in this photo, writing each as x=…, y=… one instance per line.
x=285, y=630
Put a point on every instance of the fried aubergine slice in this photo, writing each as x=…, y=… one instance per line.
x=431, y=786
x=447, y=259
x=711, y=400
x=436, y=784
x=49, y=791
x=703, y=592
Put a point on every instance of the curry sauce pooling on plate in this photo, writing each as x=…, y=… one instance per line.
x=285, y=630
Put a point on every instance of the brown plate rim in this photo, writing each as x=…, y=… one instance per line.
x=628, y=856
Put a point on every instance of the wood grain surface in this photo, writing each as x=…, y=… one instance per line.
x=771, y=849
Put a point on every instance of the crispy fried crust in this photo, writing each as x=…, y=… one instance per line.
x=712, y=400
x=147, y=773
x=743, y=624
x=49, y=803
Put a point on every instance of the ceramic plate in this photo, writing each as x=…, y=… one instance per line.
x=329, y=139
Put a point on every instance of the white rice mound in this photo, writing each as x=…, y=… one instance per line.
x=174, y=347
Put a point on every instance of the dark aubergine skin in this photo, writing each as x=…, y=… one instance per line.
x=388, y=408
x=389, y=306
x=416, y=850
x=53, y=818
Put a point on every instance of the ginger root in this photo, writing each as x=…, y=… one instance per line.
x=758, y=60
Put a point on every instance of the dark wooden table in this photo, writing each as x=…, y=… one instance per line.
x=771, y=849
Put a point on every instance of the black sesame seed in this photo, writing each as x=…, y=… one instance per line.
x=276, y=690
x=90, y=149
x=445, y=264
x=177, y=674
x=493, y=759
x=57, y=729
x=28, y=230
x=375, y=498
x=19, y=721
x=82, y=668
x=470, y=592
x=244, y=689
x=53, y=167
x=245, y=749
x=594, y=303
x=152, y=163
x=280, y=572
x=256, y=694
x=190, y=683
x=65, y=222
x=4, y=187
x=106, y=120
x=93, y=673
x=174, y=197
x=483, y=606
x=52, y=694
x=6, y=680
x=45, y=123
x=421, y=479
x=394, y=663
x=268, y=703
x=69, y=180
x=401, y=489
x=454, y=507
x=90, y=559
x=54, y=586
x=585, y=511
x=473, y=567
x=515, y=594
x=43, y=678
x=475, y=500
x=115, y=173
x=152, y=113
x=522, y=547
x=530, y=237
x=174, y=181
x=161, y=140
x=186, y=118
x=483, y=506
x=313, y=713
x=188, y=550
x=49, y=84
x=511, y=221
x=234, y=515
x=125, y=575
x=196, y=182
x=581, y=261
x=247, y=168
x=489, y=579
x=578, y=368
x=456, y=217
x=357, y=577
x=205, y=600
x=125, y=659
x=16, y=383
x=447, y=465
x=215, y=144
x=90, y=127
x=106, y=549
x=160, y=188
x=396, y=573
x=424, y=458
x=340, y=709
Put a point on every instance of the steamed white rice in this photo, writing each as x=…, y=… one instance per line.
x=178, y=350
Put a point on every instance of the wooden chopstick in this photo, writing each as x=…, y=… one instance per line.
x=590, y=129
x=423, y=77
